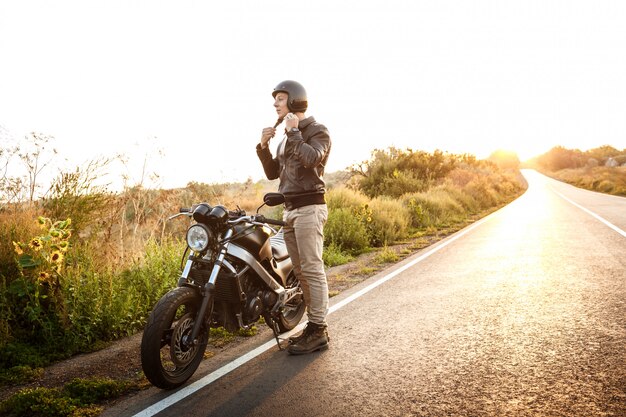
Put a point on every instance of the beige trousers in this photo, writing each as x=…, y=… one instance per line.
x=304, y=236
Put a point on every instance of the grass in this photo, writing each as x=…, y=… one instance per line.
x=220, y=337
x=385, y=256
x=333, y=256
x=601, y=179
x=367, y=270
x=79, y=398
x=19, y=374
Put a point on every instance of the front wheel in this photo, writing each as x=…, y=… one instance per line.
x=167, y=360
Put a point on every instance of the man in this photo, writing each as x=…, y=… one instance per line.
x=300, y=161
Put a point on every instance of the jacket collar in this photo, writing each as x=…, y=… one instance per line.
x=305, y=122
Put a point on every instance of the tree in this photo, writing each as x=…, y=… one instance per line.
x=394, y=172
x=559, y=158
x=603, y=153
x=505, y=159
x=35, y=160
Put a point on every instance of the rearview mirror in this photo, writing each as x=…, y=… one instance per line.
x=273, y=199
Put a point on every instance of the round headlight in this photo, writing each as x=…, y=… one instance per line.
x=198, y=237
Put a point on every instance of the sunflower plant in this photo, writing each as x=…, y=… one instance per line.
x=364, y=214
x=43, y=256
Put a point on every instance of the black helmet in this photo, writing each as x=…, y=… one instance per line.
x=297, y=95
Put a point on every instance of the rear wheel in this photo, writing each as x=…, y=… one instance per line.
x=294, y=310
x=167, y=357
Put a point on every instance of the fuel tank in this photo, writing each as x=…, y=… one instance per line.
x=255, y=240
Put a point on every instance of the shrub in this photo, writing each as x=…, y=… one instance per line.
x=74, y=194
x=79, y=398
x=343, y=197
x=16, y=225
x=460, y=176
x=467, y=202
x=333, y=255
x=505, y=159
x=19, y=374
x=92, y=391
x=385, y=256
x=39, y=402
x=394, y=172
x=107, y=304
x=33, y=295
x=432, y=208
x=390, y=221
x=482, y=191
x=603, y=179
x=346, y=231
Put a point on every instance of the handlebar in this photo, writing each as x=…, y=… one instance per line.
x=261, y=218
x=183, y=211
x=257, y=219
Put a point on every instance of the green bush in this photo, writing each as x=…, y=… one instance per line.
x=79, y=398
x=467, y=202
x=39, y=402
x=393, y=185
x=390, y=221
x=433, y=208
x=603, y=179
x=560, y=158
x=333, y=256
x=483, y=192
x=386, y=256
x=92, y=391
x=346, y=231
x=342, y=197
x=105, y=305
x=394, y=172
x=19, y=374
x=16, y=353
x=16, y=225
x=97, y=305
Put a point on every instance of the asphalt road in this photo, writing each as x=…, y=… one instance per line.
x=521, y=314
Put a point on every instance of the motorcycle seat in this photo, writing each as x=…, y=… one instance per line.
x=279, y=248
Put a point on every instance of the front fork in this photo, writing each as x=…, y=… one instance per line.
x=209, y=287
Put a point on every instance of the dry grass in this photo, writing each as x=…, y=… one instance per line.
x=603, y=179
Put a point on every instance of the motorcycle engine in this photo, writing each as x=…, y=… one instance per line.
x=258, y=299
x=246, y=297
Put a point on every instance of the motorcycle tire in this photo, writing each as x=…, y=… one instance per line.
x=166, y=361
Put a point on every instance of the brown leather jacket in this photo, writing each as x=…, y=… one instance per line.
x=300, y=163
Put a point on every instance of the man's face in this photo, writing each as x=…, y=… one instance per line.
x=280, y=104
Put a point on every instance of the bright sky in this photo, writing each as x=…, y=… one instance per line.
x=193, y=79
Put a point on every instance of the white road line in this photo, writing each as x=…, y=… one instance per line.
x=231, y=366
x=611, y=225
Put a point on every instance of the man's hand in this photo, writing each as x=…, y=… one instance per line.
x=267, y=134
x=291, y=121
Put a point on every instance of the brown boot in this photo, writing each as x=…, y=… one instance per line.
x=295, y=339
x=307, y=328
x=314, y=337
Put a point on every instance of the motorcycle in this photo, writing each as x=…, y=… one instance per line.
x=237, y=271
